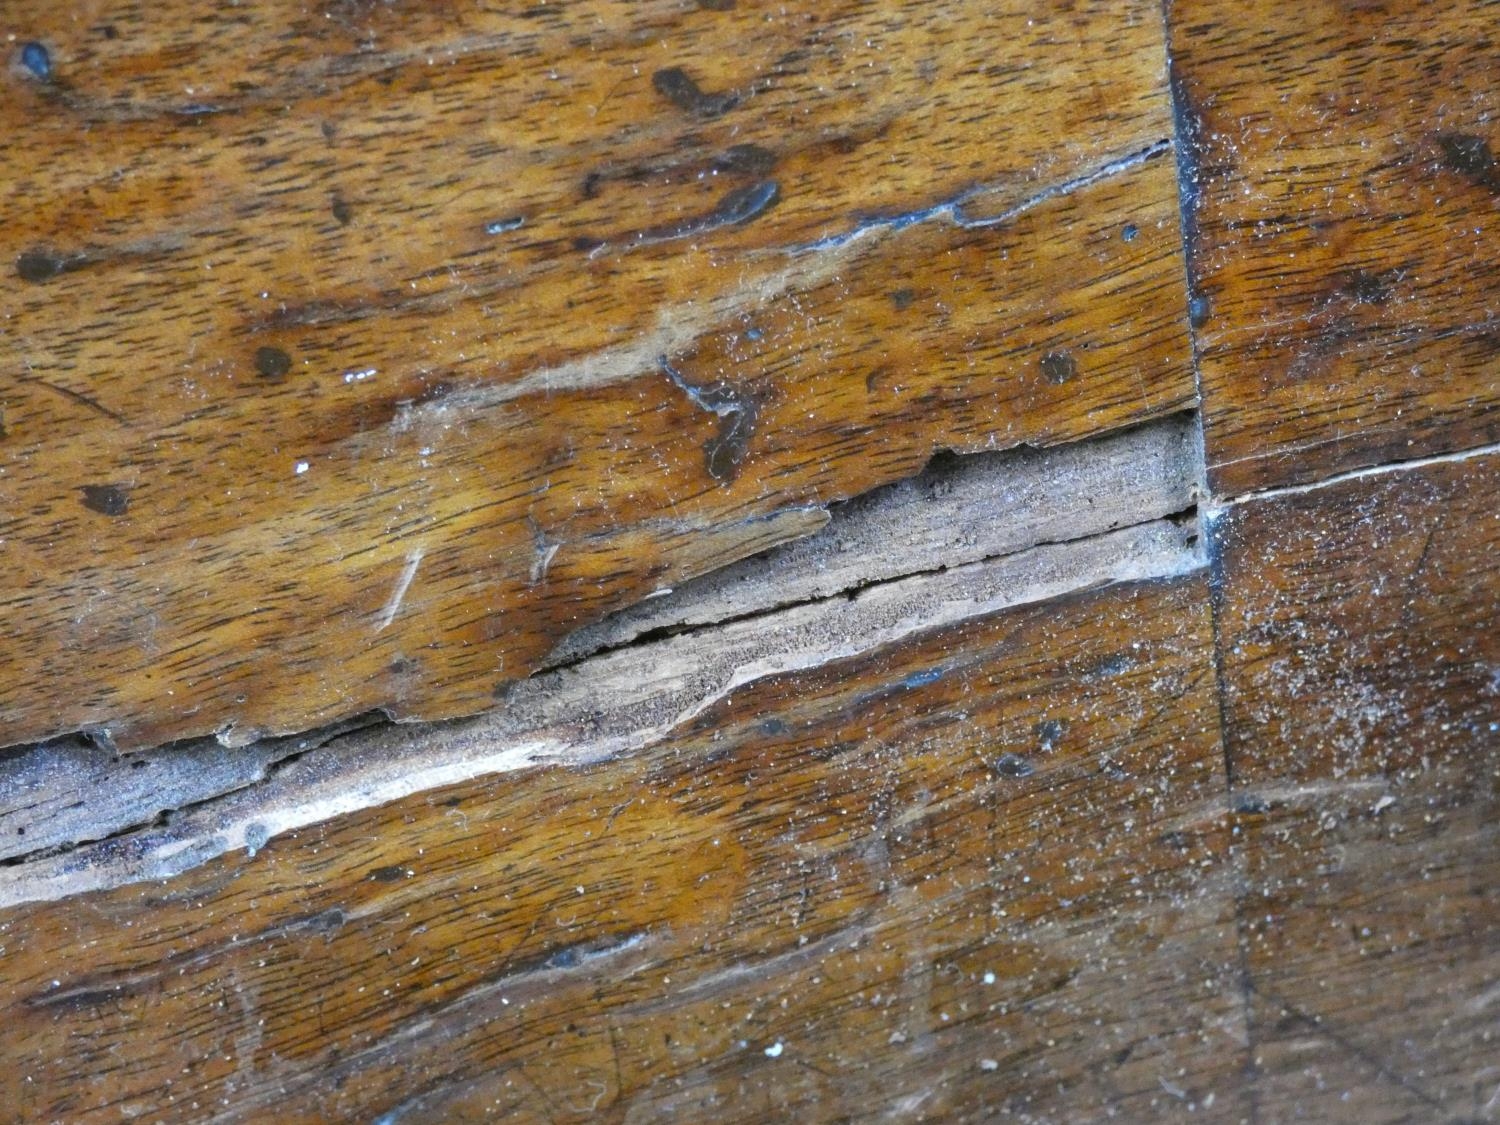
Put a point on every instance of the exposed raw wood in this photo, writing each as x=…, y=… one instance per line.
x=394, y=343
x=957, y=511
x=766, y=438
x=1344, y=196
x=841, y=892
x=626, y=698
x=71, y=790
x=1360, y=636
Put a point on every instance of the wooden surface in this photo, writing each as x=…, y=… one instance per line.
x=1092, y=781
x=1344, y=195
x=858, y=869
x=1360, y=639
x=291, y=362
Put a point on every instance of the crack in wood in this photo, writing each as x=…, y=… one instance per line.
x=968, y=536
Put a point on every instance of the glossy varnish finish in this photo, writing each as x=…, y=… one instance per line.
x=324, y=328
x=560, y=305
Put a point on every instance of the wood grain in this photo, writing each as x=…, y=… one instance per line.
x=1360, y=632
x=963, y=539
x=981, y=871
x=1343, y=193
x=326, y=326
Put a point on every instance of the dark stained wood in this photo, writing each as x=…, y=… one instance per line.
x=982, y=871
x=1360, y=634
x=1344, y=197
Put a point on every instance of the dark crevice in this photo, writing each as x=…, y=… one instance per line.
x=1188, y=144
x=163, y=818
x=851, y=593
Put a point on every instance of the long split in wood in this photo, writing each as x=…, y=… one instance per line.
x=967, y=537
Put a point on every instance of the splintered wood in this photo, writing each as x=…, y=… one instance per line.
x=867, y=680
x=358, y=355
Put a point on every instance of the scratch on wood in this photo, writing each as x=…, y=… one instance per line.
x=398, y=595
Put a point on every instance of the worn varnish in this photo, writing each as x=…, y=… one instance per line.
x=1343, y=190
x=1360, y=638
x=374, y=356
x=325, y=326
x=840, y=892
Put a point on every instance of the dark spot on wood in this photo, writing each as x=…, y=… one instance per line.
x=746, y=203
x=1250, y=804
x=272, y=363
x=737, y=207
x=1369, y=288
x=402, y=665
x=1108, y=667
x=1199, y=310
x=1130, y=232
x=678, y=87
x=393, y=873
x=1013, y=765
x=1049, y=733
x=38, y=60
x=501, y=226
x=341, y=210
x=1059, y=367
x=325, y=922
x=587, y=244
x=1181, y=841
x=40, y=265
x=747, y=159
x=901, y=299
x=1470, y=156
x=716, y=5
x=109, y=31
x=106, y=499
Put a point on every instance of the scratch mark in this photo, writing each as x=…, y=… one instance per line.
x=953, y=209
x=738, y=207
x=737, y=417
x=1221, y=504
x=543, y=551
x=398, y=595
x=75, y=396
x=680, y=327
